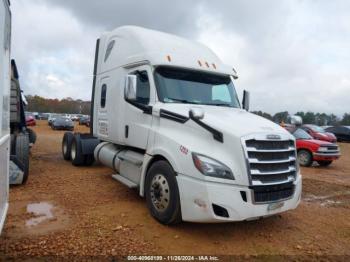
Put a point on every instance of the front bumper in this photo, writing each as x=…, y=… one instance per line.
x=318, y=156
x=64, y=127
x=197, y=198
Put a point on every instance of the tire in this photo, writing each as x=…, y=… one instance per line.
x=77, y=156
x=32, y=136
x=324, y=163
x=305, y=157
x=22, y=153
x=67, y=145
x=162, y=193
x=89, y=160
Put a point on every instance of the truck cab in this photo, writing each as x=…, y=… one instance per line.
x=166, y=117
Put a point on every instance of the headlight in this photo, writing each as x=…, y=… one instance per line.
x=322, y=149
x=210, y=167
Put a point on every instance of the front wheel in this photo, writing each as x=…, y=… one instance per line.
x=324, y=163
x=304, y=157
x=162, y=193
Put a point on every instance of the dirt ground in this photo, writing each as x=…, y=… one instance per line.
x=90, y=214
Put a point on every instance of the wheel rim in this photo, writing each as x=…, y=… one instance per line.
x=160, y=192
x=73, y=151
x=303, y=158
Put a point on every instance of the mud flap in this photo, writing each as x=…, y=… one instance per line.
x=16, y=171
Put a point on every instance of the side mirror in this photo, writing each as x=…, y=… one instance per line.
x=130, y=87
x=245, y=100
x=196, y=113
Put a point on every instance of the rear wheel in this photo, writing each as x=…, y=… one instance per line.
x=32, y=136
x=76, y=152
x=22, y=153
x=89, y=160
x=67, y=145
x=304, y=157
x=324, y=163
x=162, y=193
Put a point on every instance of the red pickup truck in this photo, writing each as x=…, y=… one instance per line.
x=310, y=149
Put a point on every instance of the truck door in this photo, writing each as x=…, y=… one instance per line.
x=138, y=120
x=103, y=124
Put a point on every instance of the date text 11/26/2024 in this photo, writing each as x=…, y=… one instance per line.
x=173, y=258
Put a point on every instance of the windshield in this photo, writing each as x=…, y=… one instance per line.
x=318, y=129
x=176, y=85
x=301, y=134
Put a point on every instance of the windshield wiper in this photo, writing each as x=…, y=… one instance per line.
x=218, y=104
x=198, y=103
x=182, y=100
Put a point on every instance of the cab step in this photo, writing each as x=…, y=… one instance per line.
x=124, y=181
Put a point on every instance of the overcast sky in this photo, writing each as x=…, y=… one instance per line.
x=291, y=55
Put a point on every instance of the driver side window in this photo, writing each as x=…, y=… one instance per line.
x=142, y=88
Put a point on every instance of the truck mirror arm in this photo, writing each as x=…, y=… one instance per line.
x=218, y=136
x=147, y=109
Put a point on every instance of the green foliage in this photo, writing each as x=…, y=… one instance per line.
x=320, y=119
x=263, y=114
x=281, y=117
x=66, y=105
x=346, y=119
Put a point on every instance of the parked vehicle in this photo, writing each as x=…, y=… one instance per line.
x=5, y=42
x=319, y=133
x=310, y=149
x=76, y=117
x=30, y=120
x=62, y=123
x=85, y=120
x=52, y=118
x=341, y=132
x=177, y=132
x=43, y=116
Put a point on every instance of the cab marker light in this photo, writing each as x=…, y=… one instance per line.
x=206, y=63
x=214, y=66
x=169, y=58
x=200, y=63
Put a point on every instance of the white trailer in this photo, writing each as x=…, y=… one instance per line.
x=5, y=41
x=166, y=117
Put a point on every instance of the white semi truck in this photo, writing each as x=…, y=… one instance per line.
x=5, y=41
x=166, y=117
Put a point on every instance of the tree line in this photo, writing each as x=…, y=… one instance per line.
x=70, y=106
x=63, y=106
x=320, y=119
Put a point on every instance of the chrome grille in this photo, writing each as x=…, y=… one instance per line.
x=270, y=161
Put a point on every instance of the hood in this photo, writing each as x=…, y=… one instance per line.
x=316, y=141
x=234, y=121
x=330, y=135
